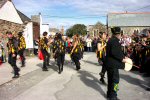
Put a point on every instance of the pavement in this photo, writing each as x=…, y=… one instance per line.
x=6, y=71
x=34, y=84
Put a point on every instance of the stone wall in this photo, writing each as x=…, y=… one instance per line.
x=9, y=26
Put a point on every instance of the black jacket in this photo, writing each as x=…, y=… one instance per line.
x=114, y=54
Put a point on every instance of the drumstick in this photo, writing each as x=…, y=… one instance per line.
x=134, y=65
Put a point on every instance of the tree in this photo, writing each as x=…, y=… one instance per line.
x=76, y=29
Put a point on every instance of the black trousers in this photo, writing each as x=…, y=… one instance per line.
x=60, y=61
x=21, y=54
x=46, y=58
x=76, y=59
x=113, y=81
x=12, y=61
x=103, y=71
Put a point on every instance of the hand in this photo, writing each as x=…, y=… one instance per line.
x=71, y=52
x=13, y=55
x=105, y=45
x=124, y=60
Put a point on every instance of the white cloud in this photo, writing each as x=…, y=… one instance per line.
x=83, y=7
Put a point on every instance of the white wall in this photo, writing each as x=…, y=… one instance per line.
x=28, y=34
x=44, y=28
x=9, y=13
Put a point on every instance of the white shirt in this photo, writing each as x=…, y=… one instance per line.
x=89, y=42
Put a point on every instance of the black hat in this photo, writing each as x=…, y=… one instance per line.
x=116, y=30
x=45, y=33
x=20, y=33
x=59, y=35
x=8, y=32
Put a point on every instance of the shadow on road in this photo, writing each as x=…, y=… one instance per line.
x=53, y=66
x=135, y=81
x=91, y=81
x=90, y=62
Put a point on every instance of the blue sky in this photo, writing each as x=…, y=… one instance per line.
x=65, y=13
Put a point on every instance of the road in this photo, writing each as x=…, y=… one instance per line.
x=34, y=84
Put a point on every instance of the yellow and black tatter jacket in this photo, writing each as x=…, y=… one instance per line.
x=54, y=45
x=21, y=43
x=43, y=43
x=81, y=46
x=101, y=53
x=77, y=49
x=60, y=46
x=12, y=49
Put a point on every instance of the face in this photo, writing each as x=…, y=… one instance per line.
x=9, y=35
x=104, y=36
x=119, y=36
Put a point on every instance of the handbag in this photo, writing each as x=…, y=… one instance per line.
x=40, y=55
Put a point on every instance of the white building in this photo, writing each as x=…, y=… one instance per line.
x=8, y=12
x=13, y=20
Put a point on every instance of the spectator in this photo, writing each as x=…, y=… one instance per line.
x=89, y=44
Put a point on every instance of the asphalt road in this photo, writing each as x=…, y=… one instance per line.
x=72, y=84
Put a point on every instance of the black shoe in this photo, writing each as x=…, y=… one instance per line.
x=148, y=89
x=114, y=98
x=102, y=80
x=45, y=69
x=59, y=72
x=22, y=65
x=48, y=65
x=15, y=76
x=61, y=69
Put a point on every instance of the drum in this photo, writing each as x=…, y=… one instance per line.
x=128, y=64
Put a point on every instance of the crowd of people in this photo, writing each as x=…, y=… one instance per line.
x=111, y=52
x=57, y=47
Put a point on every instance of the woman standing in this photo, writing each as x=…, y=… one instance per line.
x=76, y=52
x=101, y=52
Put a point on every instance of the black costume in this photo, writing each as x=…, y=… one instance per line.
x=114, y=57
x=44, y=48
x=101, y=58
x=60, y=53
x=147, y=62
x=12, y=55
x=21, y=48
x=76, y=56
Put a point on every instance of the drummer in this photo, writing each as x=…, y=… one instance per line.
x=114, y=61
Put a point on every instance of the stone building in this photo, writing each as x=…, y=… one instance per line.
x=130, y=22
x=95, y=29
